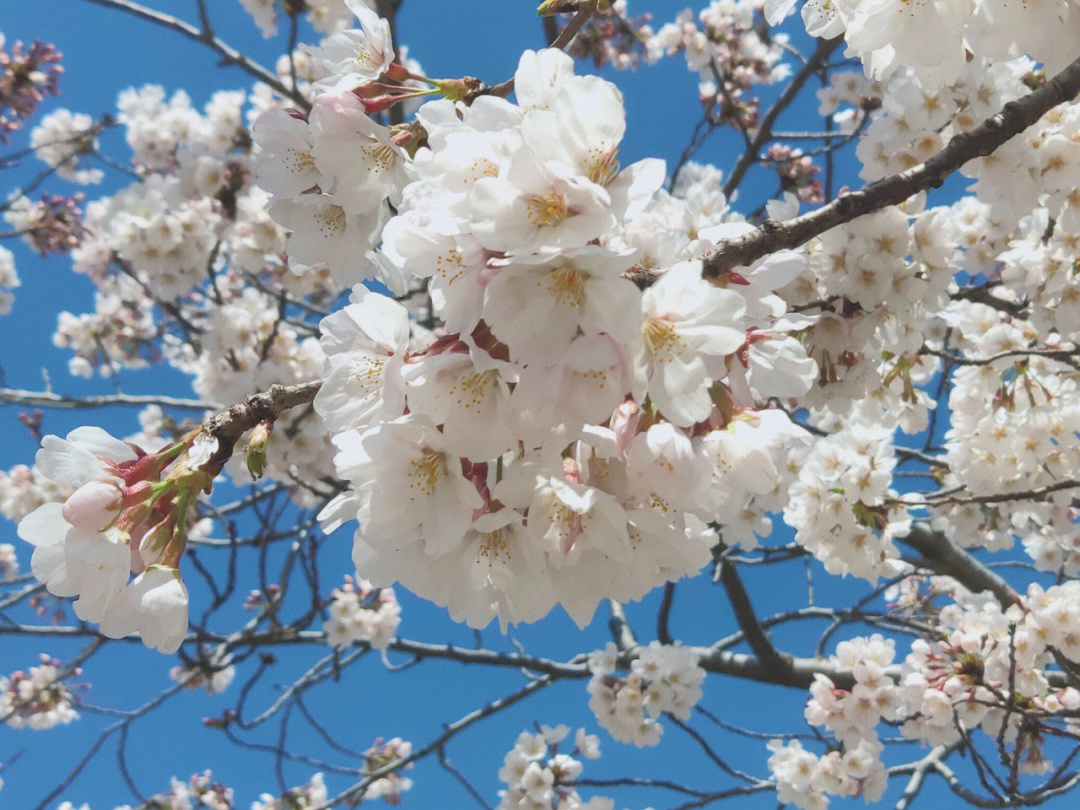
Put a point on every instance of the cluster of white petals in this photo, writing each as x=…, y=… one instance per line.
x=939, y=38
x=547, y=448
x=538, y=777
x=9, y=563
x=9, y=279
x=361, y=613
x=37, y=699
x=389, y=785
x=806, y=780
x=843, y=508
x=662, y=678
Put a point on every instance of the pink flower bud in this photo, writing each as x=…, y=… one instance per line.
x=93, y=506
x=625, y=424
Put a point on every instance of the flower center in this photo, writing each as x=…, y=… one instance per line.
x=426, y=471
x=662, y=339
x=548, y=210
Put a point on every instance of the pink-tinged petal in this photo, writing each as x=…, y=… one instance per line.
x=93, y=506
x=45, y=526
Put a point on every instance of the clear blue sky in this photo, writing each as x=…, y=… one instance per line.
x=104, y=52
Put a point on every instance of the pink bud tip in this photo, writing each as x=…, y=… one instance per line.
x=93, y=506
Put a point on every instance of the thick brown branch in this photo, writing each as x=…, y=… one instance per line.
x=947, y=558
x=1014, y=118
x=766, y=653
x=227, y=427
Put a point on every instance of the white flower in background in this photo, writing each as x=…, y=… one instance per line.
x=60, y=139
x=9, y=278
x=37, y=699
x=362, y=613
x=663, y=678
x=537, y=774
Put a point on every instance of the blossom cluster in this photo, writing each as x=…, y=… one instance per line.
x=26, y=76
x=842, y=508
x=987, y=672
x=938, y=41
x=538, y=776
x=389, y=784
x=662, y=678
x=725, y=47
x=361, y=613
x=127, y=514
x=37, y=699
x=543, y=448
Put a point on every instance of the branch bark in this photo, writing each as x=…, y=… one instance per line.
x=227, y=427
x=229, y=55
x=947, y=558
x=1014, y=118
x=50, y=400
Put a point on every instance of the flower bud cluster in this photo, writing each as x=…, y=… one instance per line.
x=126, y=516
x=37, y=699
x=53, y=225
x=536, y=774
x=612, y=37
x=362, y=613
x=26, y=76
x=662, y=678
x=725, y=42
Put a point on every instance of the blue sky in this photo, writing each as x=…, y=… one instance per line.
x=104, y=52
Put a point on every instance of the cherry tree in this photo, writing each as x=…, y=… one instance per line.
x=446, y=345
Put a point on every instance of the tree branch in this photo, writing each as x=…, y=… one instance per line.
x=789, y=94
x=947, y=558
x=1014, y=118
x=229, y=55
x=50, y=400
